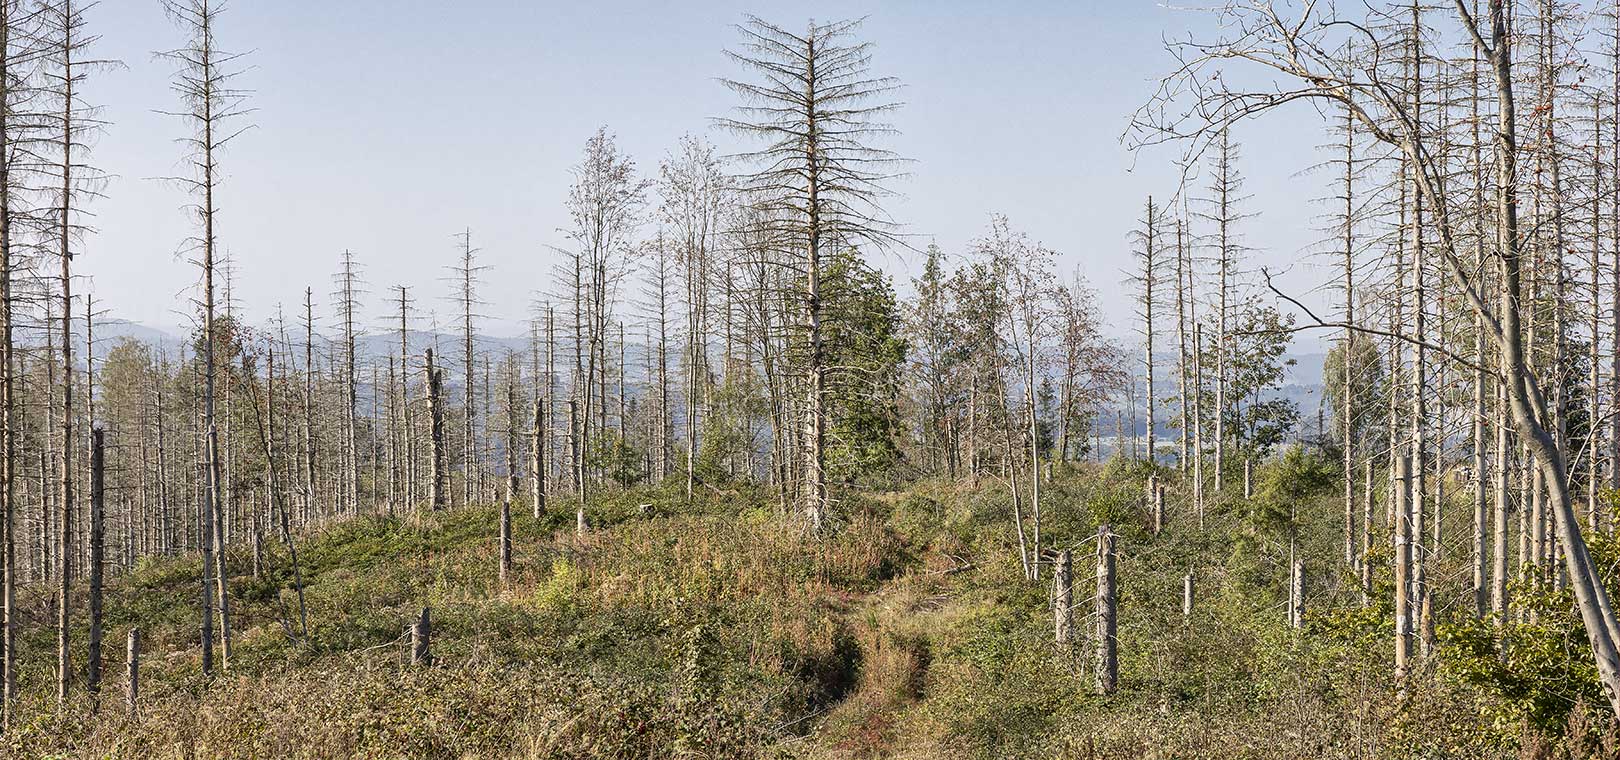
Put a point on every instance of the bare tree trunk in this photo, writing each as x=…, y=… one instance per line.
x=1186, y=598
x=1404, y=608
x=511, y=470
x=435, y=382
x=1148, y=282
x=309, y=403
x=132, y=682
x=421, y=640
x=1063, y=597
x=1296, y=595
x=537, y=464
x=8, y=401
x=1182, y=387
x=1366, y=532
x=69, y=77
x=1347, y=382
x=1198, y=421
x=1107, y=628
x=574, y=423
x=92, y=679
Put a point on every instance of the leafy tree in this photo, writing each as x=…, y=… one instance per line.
x=1257, y=418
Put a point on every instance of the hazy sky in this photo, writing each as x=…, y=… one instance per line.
x=387, y=126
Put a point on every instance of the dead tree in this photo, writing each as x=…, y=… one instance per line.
x=511, y=414
x=132, y=681
x=310, y=435
x=347, y=301
x=435, y=391
x=98, y=511
x=204, y=82
x=1147, y=278
x=466, y=272
x=537, y=462
x=1183, y=382
x=576, y=455
x=265, y=417
x=1063, y=597
x=818, y=177
x=1296, y=50
x=67, y=69
x=10, y=97
x=407, y=419
x=421, y=640
x=691, y=189
x=1106, y=611
x=1226, y=195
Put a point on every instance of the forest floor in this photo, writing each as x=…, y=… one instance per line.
x=717, y=628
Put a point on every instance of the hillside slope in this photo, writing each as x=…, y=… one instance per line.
x=720, y=630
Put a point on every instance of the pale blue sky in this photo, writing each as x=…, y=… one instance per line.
x=386, y=126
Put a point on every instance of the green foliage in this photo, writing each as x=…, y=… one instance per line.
x=1285, y=484
x=615, y=456
x=737, y=408
x=866, y=354
x=713, y=627
x=1257, y=363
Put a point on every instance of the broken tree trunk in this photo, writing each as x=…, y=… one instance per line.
x=435, y=381
x=132, y=659
x=1296, y=587
x=421, y=635
x=1063, y=598
x=1107, y=643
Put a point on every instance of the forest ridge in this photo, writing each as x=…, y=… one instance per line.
x=734, y=495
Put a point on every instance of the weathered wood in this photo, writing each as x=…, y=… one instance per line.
x=132, y=662
x=1296, y=595
x=435, y=383
x=537, y=461
x=1366, y=534
x=98, y=511
x=1403, y=566
x=505, y=548
x=1187, y=597
x=577, y=456
x=1156, y=498
x=1063, y=597
x=1107, y=623
x=421, y=640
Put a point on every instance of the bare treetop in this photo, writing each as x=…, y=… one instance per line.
x=815, y=106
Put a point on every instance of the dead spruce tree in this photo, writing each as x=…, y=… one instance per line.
x=818, y=178
x=67, y=125
x=346, y=300
x=14, y=45
x=437, y=495
x=465, y=273
x=211, y=107
x=1147, y=279
x=1221, y=210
